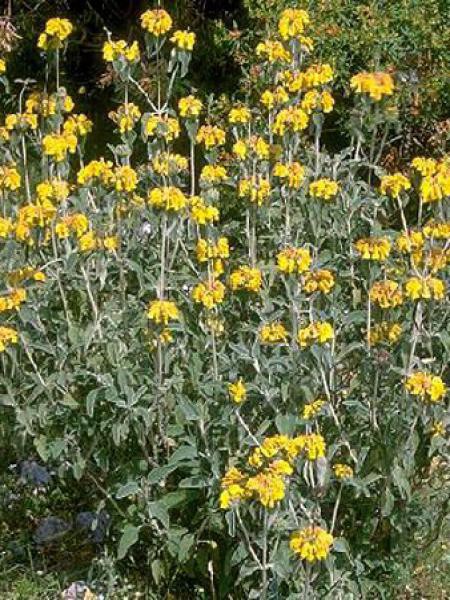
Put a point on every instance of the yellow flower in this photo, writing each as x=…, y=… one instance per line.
x=232, y=488
x=163, y=311
x=8, y=336
x=429, y=387
x=56, y=31
x=190, y=107
x=246, y=278
x=256, y=189
x=387, y=294
x=238, y=391
x=292, y=119
x=13, y=300
x=120, y=50
x=342, y=471
x=96, y=169
x=321, y=280
x=184, y=40
x=6, y=227
x=78, y=125
x=213, y=174
x=273, y=333
x=21, y=121
x=436, y=230
x=373, y=248
x=292, y=174
x=425, y=288
x=312, y=409
x=270, y=99
x=385, y=332
x=438, y=429
x=126, y=116
x=294, y=260
x=268, y=487
x=125, y=179
x=157, y=22
x=376, y=85
x=58, y=145
x=425, y=166
x=111, y=243
x=9, y=178
x=324, y=188
x=273, y=51
x=209, y=293
x=202, y=213
x=292, y=23
x=393, y=185
x=211, y=136
x=318, y=332
x=410, y=242
x=161, y=126
x=312, y=444
x=168, y=164
x=2, y=66
x=77, y=223
x=87, y=242
x=311, y=543
x=167, y=198
x=241, y=115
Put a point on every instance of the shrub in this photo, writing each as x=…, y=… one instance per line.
x=240, y=351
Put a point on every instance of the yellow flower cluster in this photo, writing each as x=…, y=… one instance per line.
x=385, y=332
x=311, y=543
x=100, y=170
x=425, y=288
x=13, y=300
x=76, y=223
x=373, y=248
x=211, y=136
x=120, y=50
x=157, y=22
x=126, y=116
x=56, y=31
x=376, y=85
x=318, y=332
x=273, y=333
x=294, y=260
x=239, y=115
x=9, y=178
x=292, y=23
x=342, y=471
x=321, y=280
x=273, y=51
x=393, y=185
x=184, y=40
x=293, y=120
x=213, y=174
x=292, y=175
x=190, y=107
x=314, y=100
x=2, y=66
x=202, y=213
x=325, y=189
x=163, y=311
x=312, y=409
x=246, y=278
x=256, y=189
x=387, y=294
x=24, y=274
x=237, y=391
x=273, y=98
x=21, y=121
x=169, y=198
x=430, y=388
x=256, y=145
x=209, y=293
x=167, y=164
x=8, y=336
x=207, y=250
x=161, y=126
x=435, y=183
x=59, y=145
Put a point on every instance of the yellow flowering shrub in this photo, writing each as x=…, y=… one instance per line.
x=217, y=329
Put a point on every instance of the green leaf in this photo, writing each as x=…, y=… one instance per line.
x=129, y=489
x=130, y=536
